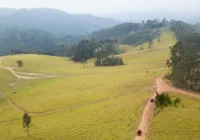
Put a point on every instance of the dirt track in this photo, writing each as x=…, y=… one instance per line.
x=148, y=111
x=29, y=75
x=68, y=107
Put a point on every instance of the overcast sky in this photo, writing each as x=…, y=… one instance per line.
x=124, y=10
x=102, y=7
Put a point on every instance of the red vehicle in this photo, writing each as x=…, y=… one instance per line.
x=152, y=100
x=139, y=132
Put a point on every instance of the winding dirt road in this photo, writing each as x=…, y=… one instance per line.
x=148, y=111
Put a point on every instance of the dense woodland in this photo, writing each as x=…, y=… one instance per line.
x=25, y=40
x=18, y=40
x=186, y=57
x=132, y=33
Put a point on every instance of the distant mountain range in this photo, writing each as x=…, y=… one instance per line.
x=54, y=21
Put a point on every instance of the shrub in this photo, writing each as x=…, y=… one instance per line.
x=109, y=61
x=163, y=100
x=177, y=101
x=20, y=63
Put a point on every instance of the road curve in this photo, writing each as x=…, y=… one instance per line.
x=148, y=110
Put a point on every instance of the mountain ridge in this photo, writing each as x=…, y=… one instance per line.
x=54, y=21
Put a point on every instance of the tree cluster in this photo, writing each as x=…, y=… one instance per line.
x=102, y=50
x=109, y=61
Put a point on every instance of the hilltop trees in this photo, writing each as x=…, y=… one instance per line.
x=139, y=37
x=155, y=23
x=116, y=31
x=132, y=33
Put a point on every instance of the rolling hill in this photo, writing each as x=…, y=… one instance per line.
x=132, y=33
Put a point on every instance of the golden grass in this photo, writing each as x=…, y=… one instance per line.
x=177, y=123
x=115, y=106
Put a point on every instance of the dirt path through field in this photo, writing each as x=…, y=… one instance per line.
x=68, y=107
x=25, y=75
x=148, y=111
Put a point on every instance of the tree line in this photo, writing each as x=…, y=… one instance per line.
x=29, y=41
x=185, y=57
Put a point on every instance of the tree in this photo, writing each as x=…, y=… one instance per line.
x=158, y=32
x=20, y=63
x=150, y=44
x=105, y=48
x=84, y=50
x=26, y=122
x=83, y=62
x=169, y=63
x=141, y=47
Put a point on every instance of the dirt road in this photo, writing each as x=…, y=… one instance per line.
x=148, y=111
x=25, y=75
x=162, y=86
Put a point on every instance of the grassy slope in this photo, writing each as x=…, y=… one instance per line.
x=181, y=123
x=8, y=114
x=116, y=118
x=60, y=65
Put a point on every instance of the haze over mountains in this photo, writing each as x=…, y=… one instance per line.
x=191, y=16
x=53, y=21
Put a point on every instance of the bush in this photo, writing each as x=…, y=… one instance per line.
x=20, y=63
x=109, y=61
x=177, y=101
x=164, y=100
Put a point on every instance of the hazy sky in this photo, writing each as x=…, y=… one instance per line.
x=103, y=7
